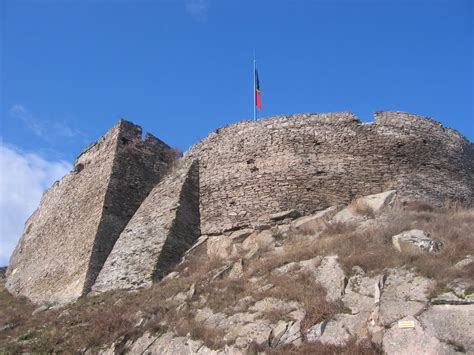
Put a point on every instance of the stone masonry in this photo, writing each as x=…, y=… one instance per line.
x=309, y=162
x=238, y=175
x=164, y=227
x=66, y=241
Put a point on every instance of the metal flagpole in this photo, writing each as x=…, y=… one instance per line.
x=254, y=88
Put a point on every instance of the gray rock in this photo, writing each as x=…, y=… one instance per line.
x=260, y=240
x=285, y=333
x=314, y=333
x=40, y=309
x=316, y=222
x=404, y=294
x=452, y=324
x=365, y=207
x=240, y=235
x=201, y=240
x=460, y=291
x=237, y=270
x=291, y=214
x=416, y=241
x=380, y=201
x=342, y=328
x=169, y=344
x=349, y=216
x=468, y=260
x=402, y=341
x=219, y=247
x=331, y=276
x=171, y=275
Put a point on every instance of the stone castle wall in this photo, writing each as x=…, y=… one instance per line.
x=309, y=162
x=164, y=227
x=66, y=240
x=87, y=233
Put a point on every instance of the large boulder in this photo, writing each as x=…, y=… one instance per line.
x=219, y=247
x=366, y=207
x=404, y=294
x=416, y=241
x=317, y=222
x=169, y=343
x=452, y=324
x=416, y=340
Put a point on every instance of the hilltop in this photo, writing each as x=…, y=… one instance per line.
x=305, y=233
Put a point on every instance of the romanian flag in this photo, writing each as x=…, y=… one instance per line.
x=258, y=100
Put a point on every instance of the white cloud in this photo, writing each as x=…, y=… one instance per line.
x=21, y=113
x=48, y=130
x=23, y=178
x=197, y=9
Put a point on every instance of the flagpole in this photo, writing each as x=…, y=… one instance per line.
x=254, y=88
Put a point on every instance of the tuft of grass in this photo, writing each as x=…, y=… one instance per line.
x=309, y=293
x=361, y=207
x=419, y=206
x=317, y=348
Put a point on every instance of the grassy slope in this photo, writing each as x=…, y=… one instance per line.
x=94, y=321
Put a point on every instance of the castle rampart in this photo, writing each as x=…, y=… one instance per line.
x=66, y=241
x=308, y=162
x=238, y=175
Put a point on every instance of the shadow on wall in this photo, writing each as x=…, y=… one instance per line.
x=185, y=229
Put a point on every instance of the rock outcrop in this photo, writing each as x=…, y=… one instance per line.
x=301, y=285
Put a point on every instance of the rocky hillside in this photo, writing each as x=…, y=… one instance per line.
x=376, y=276
x=130, y=210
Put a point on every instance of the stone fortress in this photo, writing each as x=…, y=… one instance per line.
x=128, y=211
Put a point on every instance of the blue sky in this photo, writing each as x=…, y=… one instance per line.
x=181, y=68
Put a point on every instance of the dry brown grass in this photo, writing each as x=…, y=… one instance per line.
x=317, y=348
x=185, y=325
x=418, y=206
x=301, y=287
x=222, y=294
x=362, y=207
x=372, y=248
x=94, y=321
x=172, y=158
x=295, y=250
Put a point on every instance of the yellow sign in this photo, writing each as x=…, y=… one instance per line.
x=406, y=324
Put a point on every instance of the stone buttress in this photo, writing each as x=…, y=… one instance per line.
x=68, y=238
x=164, y=227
